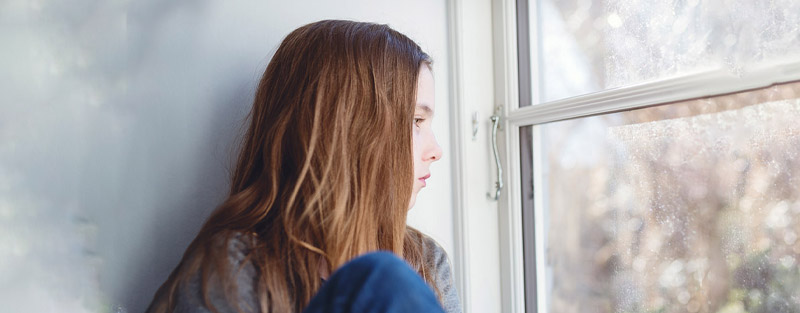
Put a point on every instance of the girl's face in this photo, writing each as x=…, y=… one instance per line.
x=426, y=149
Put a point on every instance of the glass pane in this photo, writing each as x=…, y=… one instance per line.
x=686, y=207
x=587, y=46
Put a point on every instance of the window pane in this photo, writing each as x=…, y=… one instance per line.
x=587, y=46
x=686, y=207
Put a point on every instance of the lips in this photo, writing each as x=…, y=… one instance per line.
x=423, y=178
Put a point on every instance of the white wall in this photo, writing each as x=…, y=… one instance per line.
x=117, y=119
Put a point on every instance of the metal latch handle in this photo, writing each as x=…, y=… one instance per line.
x=499, y=183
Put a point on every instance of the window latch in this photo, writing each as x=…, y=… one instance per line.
x=499, y=183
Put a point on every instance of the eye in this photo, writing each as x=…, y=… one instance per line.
x=418, y=121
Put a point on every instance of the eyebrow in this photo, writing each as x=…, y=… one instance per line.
x=425, y=108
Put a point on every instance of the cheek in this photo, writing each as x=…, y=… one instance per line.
x=416, y=141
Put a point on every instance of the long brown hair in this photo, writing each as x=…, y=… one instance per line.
x=325, y=168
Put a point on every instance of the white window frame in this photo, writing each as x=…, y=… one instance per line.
x=472, y=91
x=509, y=222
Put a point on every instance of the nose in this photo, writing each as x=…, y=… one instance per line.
x=434, y=152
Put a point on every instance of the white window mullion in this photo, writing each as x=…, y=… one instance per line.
x=685, y=87
x=507, y=98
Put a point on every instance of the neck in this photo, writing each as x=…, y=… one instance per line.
x=324, y=273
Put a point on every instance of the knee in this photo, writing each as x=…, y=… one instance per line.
x=374, y=280
x=380, y=256
x=385, y=265
x=383, y=273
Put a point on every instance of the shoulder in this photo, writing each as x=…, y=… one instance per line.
x=437, y=258
x=237, y=246
x=434, y=253
x=238, y=270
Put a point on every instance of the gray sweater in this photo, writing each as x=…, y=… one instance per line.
x=189, y=298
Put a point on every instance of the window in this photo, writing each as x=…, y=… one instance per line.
x=584, y=46
x=653, y=155
x=687, y=207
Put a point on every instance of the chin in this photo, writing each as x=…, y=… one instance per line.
x=413, y=201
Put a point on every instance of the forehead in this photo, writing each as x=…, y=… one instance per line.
x=425, y=91
x=424, y=108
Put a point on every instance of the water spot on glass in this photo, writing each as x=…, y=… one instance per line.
x=777, y=217
x=614, y=20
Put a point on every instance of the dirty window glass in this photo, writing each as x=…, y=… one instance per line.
x=687, y=207
x=586, y=46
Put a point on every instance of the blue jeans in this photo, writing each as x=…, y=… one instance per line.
x=377, y=282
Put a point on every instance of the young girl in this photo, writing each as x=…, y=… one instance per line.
x=338, y=146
